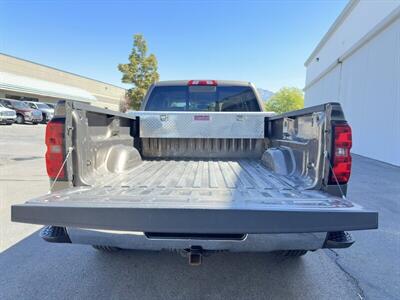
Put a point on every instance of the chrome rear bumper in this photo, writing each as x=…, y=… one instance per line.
x=7, y=119
x=250, y=242
x=33, y=118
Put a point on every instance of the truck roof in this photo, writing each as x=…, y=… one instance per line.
x=220, y=83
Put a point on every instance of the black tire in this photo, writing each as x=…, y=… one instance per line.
x=20, y=119
x=292, y=253
x=108, y=249
x=34, y=123
x=44, y=119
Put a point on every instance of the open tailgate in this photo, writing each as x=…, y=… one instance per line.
x=86, y=207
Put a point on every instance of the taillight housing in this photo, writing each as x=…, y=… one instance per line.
x=202, y=82
x=341, y=157
x=55, y=149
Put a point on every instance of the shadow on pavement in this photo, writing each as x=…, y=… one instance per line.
x=34, y=269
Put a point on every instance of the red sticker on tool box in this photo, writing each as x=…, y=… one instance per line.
x=202, y=118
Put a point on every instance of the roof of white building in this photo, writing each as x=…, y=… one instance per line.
x=339, y=20
x=29, y=85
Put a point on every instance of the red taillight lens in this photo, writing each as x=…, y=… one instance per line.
x=341, y=157
x=202, y=82
x=55, y=148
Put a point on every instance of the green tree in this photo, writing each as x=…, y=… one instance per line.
x=141, y=71
x=286, y=99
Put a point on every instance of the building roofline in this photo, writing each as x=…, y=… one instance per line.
x=381, y=26
x=339, y=21
x=56, y=69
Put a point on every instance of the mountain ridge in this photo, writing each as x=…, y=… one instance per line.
x=264, y=94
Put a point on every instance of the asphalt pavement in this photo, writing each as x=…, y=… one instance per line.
x=33, y=269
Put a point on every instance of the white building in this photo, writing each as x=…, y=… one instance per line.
x=357, y=63
x=21, y=79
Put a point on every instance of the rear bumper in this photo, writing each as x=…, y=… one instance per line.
x=7, y=119
x=33, y=118
x=250, y=243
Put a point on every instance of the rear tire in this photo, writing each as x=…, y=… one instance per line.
x=292, y=253
x=108, y=249
x=20, y=119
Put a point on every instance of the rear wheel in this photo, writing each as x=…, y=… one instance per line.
x=108, y=249
x=20, y=119
x=292, y=253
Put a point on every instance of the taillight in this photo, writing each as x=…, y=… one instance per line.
x=55, y=149
x=202, y=82
x=341, y=157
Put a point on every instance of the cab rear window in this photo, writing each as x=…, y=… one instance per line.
x=202, y=98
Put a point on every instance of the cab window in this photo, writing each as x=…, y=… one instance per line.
x=202, y=98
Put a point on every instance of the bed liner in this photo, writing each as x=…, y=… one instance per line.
x=204, y=196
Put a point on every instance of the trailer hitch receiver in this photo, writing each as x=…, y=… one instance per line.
x=195, y=255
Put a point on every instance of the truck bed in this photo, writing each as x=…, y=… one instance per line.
x=244, y=182
x=197, y=196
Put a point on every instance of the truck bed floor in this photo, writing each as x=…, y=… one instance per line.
x=202, y=183
x=204, y=196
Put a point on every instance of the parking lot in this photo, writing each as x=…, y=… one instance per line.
x=33, y=269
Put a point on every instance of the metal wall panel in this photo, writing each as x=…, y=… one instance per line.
x=370, y=96
x=326, y=90
x=362, y=18
x=369, y=92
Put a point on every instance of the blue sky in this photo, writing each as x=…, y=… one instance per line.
x=265, y=42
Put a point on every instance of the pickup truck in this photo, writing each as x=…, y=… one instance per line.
x=201, y=168
x=23, y=111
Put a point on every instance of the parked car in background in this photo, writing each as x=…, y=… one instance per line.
x=51, y=105
x=7, y=116
x=47, y=111
x=25, y=114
